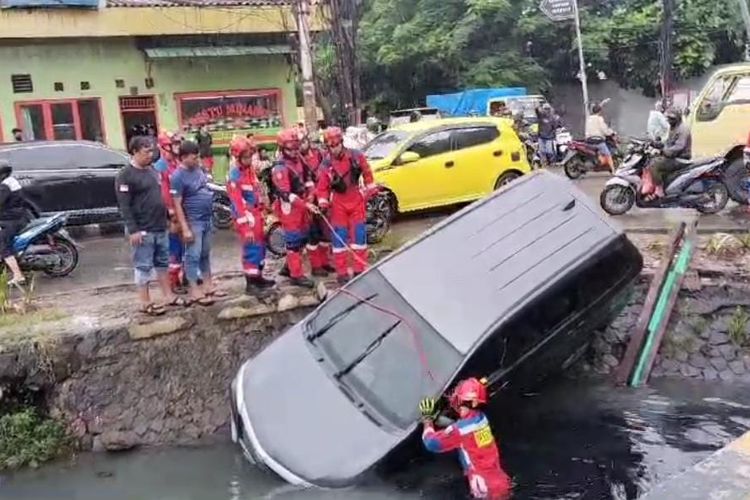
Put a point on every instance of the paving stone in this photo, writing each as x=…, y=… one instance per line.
x=719, y=363
x=727, y=376
x=710, y=374
x=738, y=367
x=698, y=360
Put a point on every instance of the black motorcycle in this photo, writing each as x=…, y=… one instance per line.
x=222, y=206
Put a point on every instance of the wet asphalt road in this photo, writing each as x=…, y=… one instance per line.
x=105, y=261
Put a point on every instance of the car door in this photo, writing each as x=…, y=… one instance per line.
x=49, y=177
x=423, y=183
x=97, y=168
x=477, y=156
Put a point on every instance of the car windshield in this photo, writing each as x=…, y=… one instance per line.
x=390, y=359
x=384, y=144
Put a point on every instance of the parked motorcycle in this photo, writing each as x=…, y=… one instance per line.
x=44, y=245
x=583, y=156
x=379, y=217
x=222, y=206
x=563, y=138
x=698, y=185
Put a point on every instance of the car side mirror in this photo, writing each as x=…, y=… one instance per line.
x=408, y=157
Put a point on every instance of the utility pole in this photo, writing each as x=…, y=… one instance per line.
x=746, y=19
x=666, y=48
x=305, y=61
x=582, y=63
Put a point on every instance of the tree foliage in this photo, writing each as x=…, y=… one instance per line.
x=411, y=48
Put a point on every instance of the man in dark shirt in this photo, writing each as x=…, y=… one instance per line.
x=13, y=218
x=142, y=207
x=193, y=207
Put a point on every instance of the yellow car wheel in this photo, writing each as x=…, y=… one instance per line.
x=507, y=178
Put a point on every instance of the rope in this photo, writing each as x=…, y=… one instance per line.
x=418, y=345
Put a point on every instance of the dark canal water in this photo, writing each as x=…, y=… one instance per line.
x=573, y=440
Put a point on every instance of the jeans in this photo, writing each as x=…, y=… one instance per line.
x=152, y=254
x=547, y=149
x=198, y=253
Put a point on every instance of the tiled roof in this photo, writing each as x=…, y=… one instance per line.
x=197, y=3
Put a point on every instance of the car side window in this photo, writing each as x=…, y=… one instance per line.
x=432, y=144
x=96, y=157
x=713, y=102
x=740, y=92
x=41, y=158
x=467, y=137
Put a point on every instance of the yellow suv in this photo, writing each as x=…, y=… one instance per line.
x=720, y=122
x=441, y=162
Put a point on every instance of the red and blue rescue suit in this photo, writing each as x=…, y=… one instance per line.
x=319, y=239
x=339, y=188
x=244, y=191
x=291, y=195
x=477, y=452
x=166, y=167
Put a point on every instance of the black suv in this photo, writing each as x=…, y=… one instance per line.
x=73, y=177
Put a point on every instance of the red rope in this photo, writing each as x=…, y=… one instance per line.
x=418, y=345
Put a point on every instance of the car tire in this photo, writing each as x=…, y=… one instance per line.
x=506, y=178
x=736, y=179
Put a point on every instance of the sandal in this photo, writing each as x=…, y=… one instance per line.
x=216, y=293
x=178, y=302
x=153, y=310
x=204, y=301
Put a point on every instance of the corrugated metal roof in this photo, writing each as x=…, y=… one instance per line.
x=196, y=3
x=496, y=253
x=218, y=51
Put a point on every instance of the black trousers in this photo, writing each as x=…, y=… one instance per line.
x=9, y=229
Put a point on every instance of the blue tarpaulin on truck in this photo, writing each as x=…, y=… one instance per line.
x=470, y=102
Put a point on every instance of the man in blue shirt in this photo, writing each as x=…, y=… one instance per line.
x=193, y=202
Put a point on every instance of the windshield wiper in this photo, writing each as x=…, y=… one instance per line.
x=368, y=350
x=338, y=317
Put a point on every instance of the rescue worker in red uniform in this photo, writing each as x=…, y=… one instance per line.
x=291, y=203
x=319, y=240
x=339, y=187
x=169, y=150
x=244, y=191
x=472, y=437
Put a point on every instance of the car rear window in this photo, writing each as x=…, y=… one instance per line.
x=376, y=354
x=474, y=136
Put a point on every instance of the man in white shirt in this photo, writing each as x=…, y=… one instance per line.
x=597, y=128
x=657, y=126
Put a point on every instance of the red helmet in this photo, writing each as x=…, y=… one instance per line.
x=333, y=136
x=288, y=139
x=164, y=140
x=471, y=391
x=240, y=145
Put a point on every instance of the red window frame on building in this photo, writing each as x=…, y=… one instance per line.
x=232, y=112
x=48, y=125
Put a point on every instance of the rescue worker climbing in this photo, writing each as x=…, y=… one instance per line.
x=244, y=191
x=472, y=437
x=291, y=203
x=166, y=165
x=319, y=240
x=339, y=187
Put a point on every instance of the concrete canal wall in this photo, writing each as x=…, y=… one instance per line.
x=724, y=475
x=165, y=381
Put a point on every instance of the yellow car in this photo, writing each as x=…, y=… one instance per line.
x=441, y=162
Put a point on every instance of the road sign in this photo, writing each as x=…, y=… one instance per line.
x=558, y=10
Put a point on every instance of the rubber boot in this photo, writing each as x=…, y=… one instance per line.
x=302, y=281
x=342, y=280
x=294, y=261
x=254, y=284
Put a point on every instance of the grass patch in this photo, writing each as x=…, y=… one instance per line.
x=18, y=320
x=28, y=439
x=738, y=326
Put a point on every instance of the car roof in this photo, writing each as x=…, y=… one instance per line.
x=423, y=125
x=488, y=260
x=27, y=144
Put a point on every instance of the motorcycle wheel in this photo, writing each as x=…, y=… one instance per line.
x=617, y=199
x=275, y=240
x=221, y=216
x=574, y=168
x=717, y=197
x=736, y=178
x=379, y=216
x=68, y=254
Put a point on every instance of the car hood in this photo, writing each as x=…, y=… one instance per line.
x=303, y=421
x=378, y=164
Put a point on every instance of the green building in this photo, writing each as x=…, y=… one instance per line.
x=83, y=69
